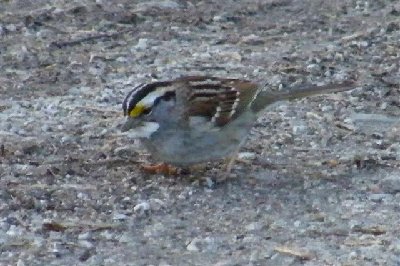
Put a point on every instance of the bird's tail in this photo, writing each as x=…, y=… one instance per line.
x=266, y=98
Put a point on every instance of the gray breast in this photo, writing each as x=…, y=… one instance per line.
x=196, y=144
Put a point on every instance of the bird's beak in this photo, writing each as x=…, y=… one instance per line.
x=138, y=128
x=130, y=123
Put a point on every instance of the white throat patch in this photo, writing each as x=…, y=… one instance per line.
x=143, y=131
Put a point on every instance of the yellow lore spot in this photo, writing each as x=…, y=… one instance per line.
x=137, y=110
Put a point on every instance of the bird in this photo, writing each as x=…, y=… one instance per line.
x=195, y=119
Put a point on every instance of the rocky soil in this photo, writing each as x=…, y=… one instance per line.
x=318, y=182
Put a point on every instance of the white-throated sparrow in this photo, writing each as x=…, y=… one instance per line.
x=197, y=119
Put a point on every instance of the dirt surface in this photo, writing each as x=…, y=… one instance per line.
x=318, y=182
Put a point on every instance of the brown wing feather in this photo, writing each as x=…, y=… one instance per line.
x=218, y=99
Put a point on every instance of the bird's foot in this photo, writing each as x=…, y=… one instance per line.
x=161, y=168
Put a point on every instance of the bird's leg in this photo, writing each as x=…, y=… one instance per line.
x=231, y=162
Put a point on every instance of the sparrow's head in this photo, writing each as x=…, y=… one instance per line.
x=145, y=105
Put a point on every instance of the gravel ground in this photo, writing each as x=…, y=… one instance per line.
x=318, y=182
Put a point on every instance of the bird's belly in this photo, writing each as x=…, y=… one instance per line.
x=185, y=147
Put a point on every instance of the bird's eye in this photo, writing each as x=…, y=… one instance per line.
x=146, y=111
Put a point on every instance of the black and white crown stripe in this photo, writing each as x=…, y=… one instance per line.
x=129, y=100
x=145, y=94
